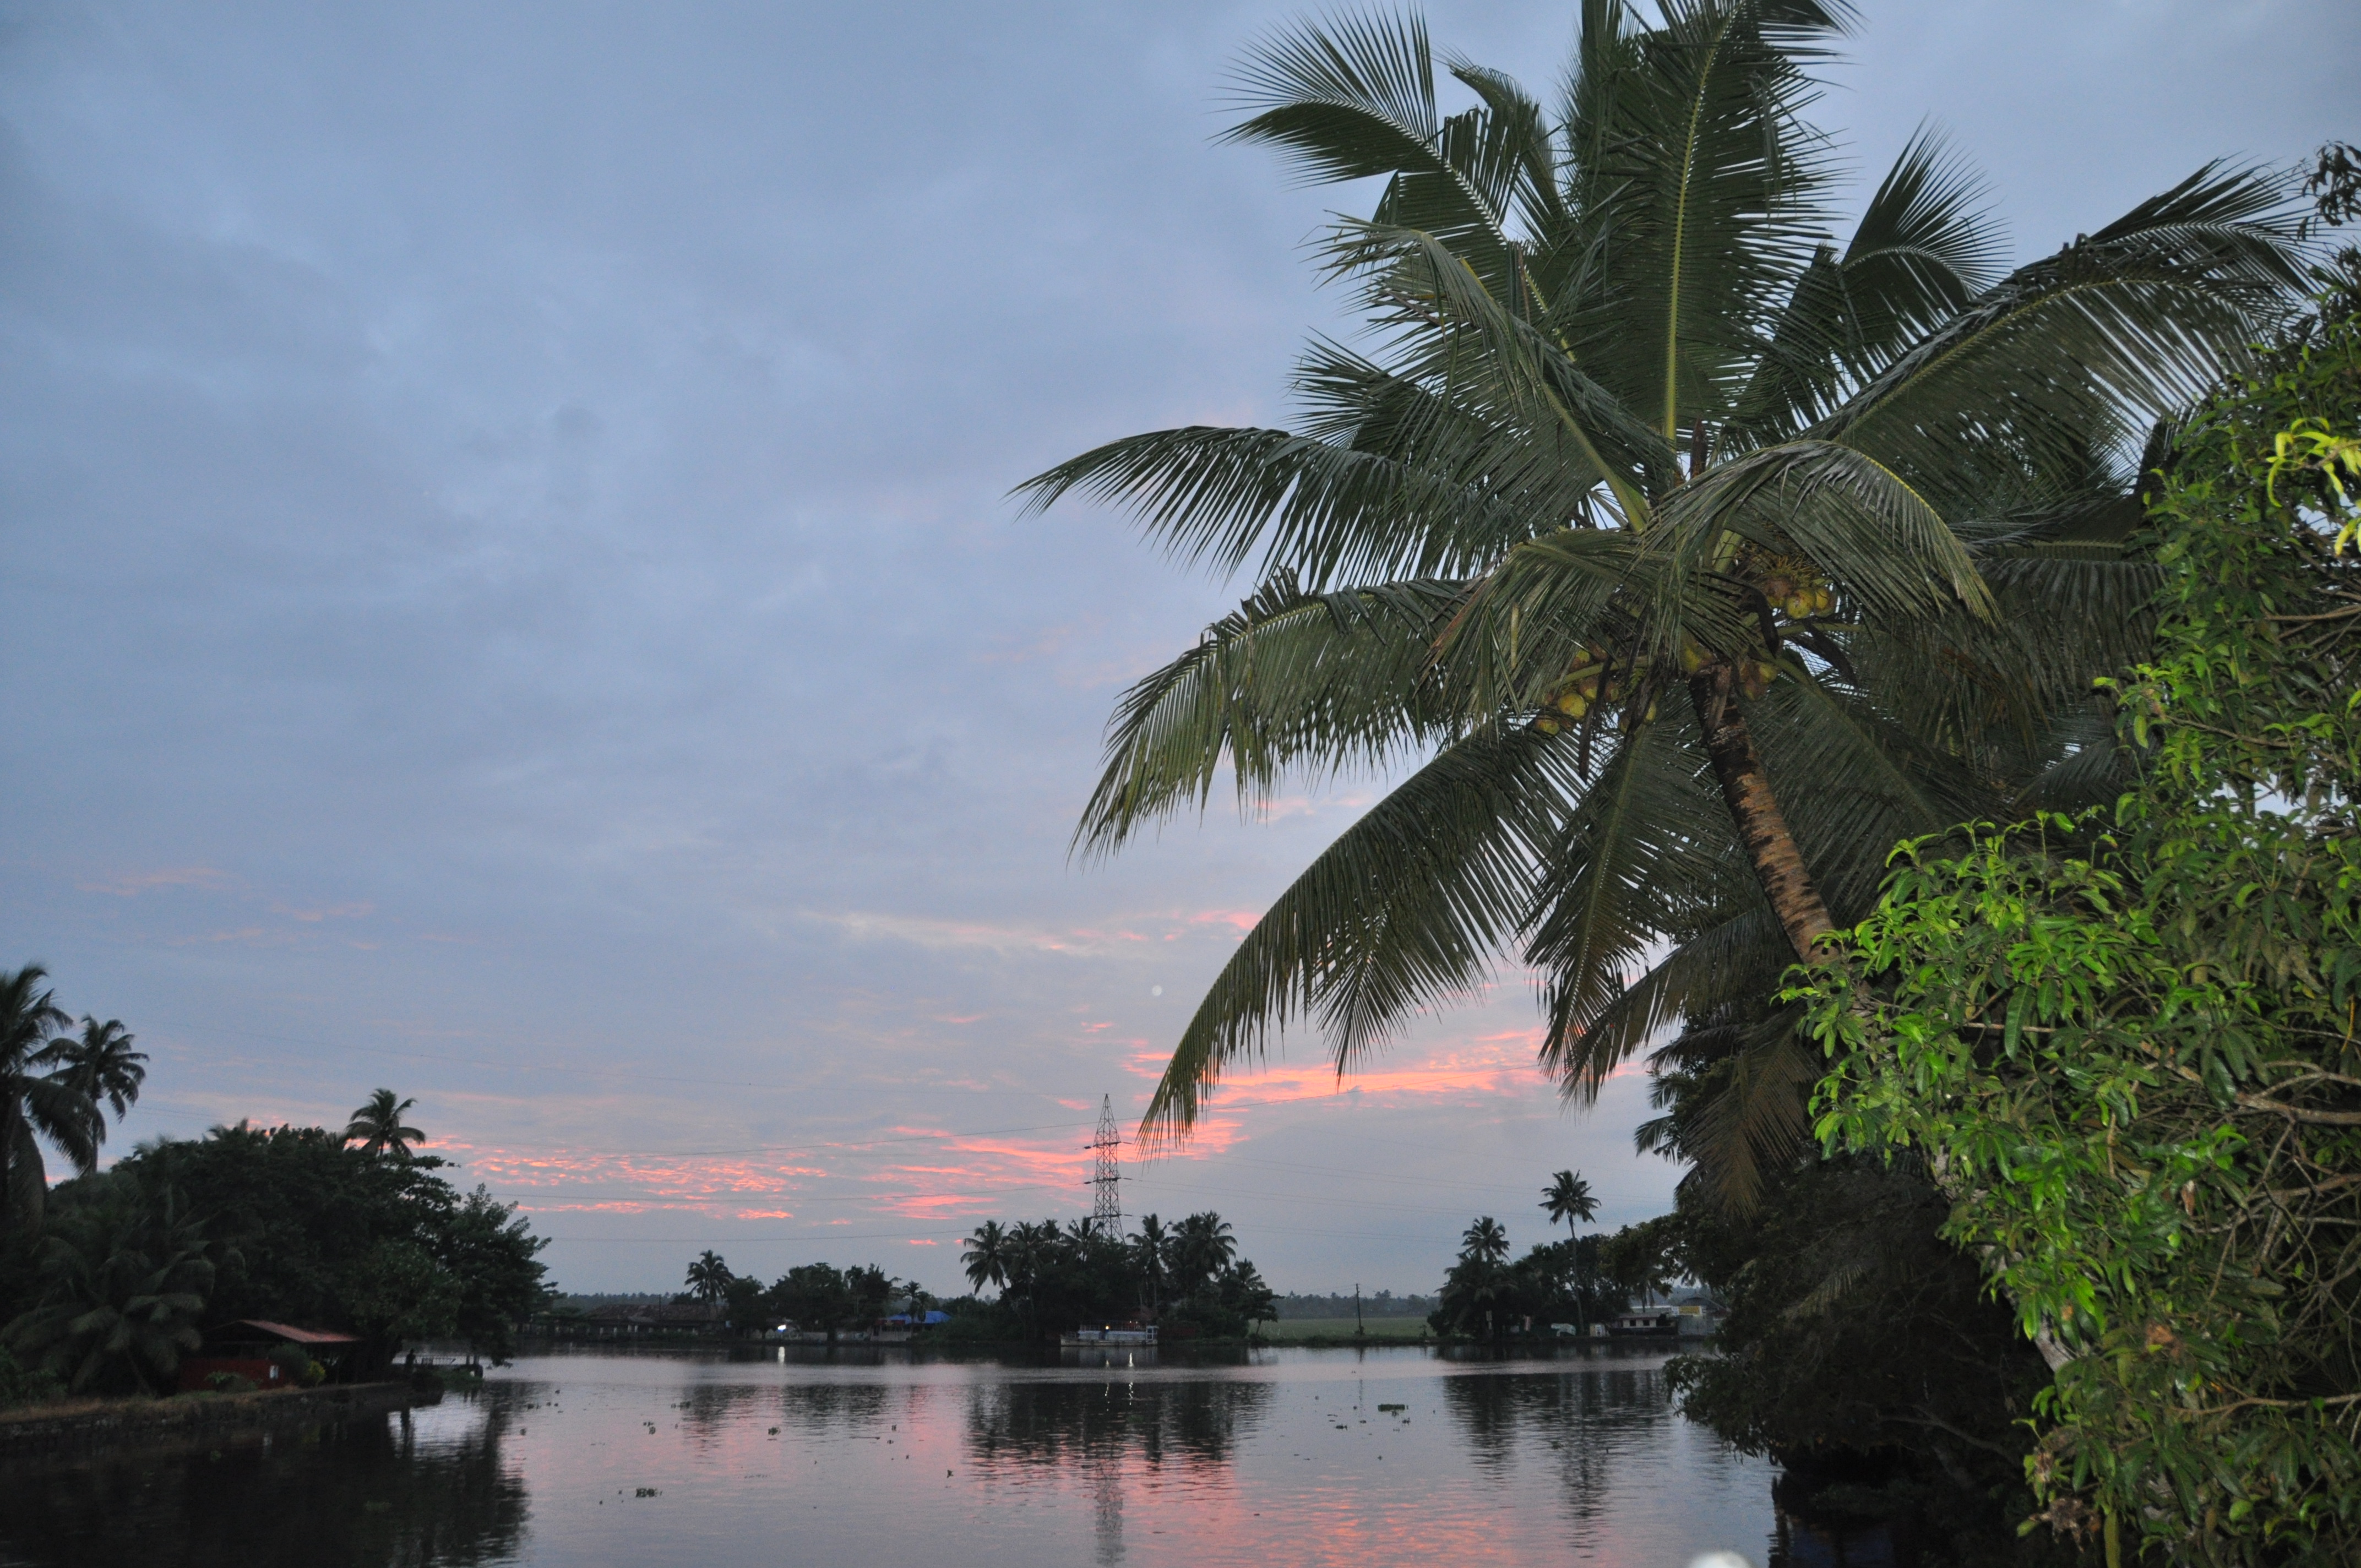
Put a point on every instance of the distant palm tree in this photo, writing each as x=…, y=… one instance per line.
x=1485, y=1241
x=100, y=1065
x=377, y=1126
x=986, y=1257
x=1152, y=1250
x=36, y=1105
x=1203, y=1247
x=1567, y=1197
x=708, y=1278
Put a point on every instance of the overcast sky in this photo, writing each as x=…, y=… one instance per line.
x=509, y=592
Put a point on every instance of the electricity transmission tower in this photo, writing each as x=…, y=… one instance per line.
x=1106, y=1203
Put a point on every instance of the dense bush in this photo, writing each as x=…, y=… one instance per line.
x=284, y=1223
x=2124, y=1042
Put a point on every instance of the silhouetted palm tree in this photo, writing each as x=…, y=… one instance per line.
x=100, y=1065
x=708, y=1278
x=986, y=1257
x=36, y=1105
x=1485, y=1241
x=377, y=1126
x=1152, y=1250
x=1202, y=1246
x=1567, y=1197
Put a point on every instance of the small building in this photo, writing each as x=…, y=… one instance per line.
x=1654, y=1322
x=1107, y=1335
x=242, y=1349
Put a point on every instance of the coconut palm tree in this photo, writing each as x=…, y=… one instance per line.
x=36, y=1105
x=708, y=1278
x=1567, y=1197
x=1693, y=554
x=1151, y=1251
x=1485, y=1241
x=100, y=1065
x=985, y=1258
x=1202, y=1246
x=377, y=1126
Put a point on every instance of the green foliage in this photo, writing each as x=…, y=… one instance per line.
x=1858, y=1346
x=491, y=1252
x=1186, y=1276
x=121, y=1284
x=1687, y=550
x=2124, y=1042
x=332, y=1236
x=1486, y=1295
x=20, y=1384
x=397, y=1291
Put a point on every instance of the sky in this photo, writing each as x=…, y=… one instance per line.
x=508, y=588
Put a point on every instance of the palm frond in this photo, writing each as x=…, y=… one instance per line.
x=2121, y=326
x=1329, y=679
x=1404, y=909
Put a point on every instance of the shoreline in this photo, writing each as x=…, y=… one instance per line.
x=39, y=1432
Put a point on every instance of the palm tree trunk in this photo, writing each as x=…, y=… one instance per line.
x=1762, y=827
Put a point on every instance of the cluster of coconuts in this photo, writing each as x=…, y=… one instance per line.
x=1584, y=687
x=1793, y=586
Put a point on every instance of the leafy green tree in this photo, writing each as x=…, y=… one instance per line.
x=1666, y=532
x=35, y=1105
x=1202, y=1246
x=395, y=1293
x=307, y=1219
x=492, y=1251
x=2122, y=1042
x=1486, y=1239
x=123, y=1285
x=378, y=1127
x=816, y=1296
x=1242, y=1289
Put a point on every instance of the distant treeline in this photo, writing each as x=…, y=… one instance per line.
x=1378, y=1304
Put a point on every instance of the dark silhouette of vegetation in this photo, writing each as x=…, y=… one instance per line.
x=1486, y=1296
x=377, y=1126
x=53, y=1087
x=353, y=1233
x=1860, y=1350
x=1187, y=1277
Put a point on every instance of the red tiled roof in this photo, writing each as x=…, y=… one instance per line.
x=289, y=1331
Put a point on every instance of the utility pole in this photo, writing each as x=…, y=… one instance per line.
x=1359, y=1329
x=1106, y=1201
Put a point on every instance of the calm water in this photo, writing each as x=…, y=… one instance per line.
x=793, y=1457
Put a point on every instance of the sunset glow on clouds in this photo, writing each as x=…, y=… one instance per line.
x=497, y=620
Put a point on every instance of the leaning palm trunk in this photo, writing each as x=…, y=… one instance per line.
x=1771, y=848
x=1634, y=421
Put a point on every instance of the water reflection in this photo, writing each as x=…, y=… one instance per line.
x=759, y=1458
x=363, y=1491
x=1057, y=1423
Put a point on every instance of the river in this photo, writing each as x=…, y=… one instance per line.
x=1286, y=1457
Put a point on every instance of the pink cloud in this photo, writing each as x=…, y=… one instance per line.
x=131, y=884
